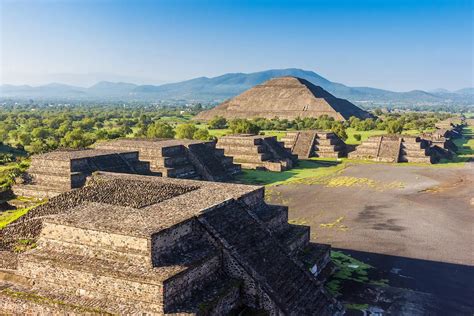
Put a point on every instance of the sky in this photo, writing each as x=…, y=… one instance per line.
x=397, y=45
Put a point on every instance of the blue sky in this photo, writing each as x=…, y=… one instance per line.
x=398, y=45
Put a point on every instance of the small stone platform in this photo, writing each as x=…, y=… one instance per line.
x=59, y=171
x=312, y=143
x=441, y=144
x=128, y=244
x=185, y=159
x=395, y=148
x=257, y=152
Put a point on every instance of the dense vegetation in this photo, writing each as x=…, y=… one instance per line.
x=42, y=129
x=38, y=130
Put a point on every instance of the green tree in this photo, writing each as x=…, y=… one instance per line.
x=202, y=134
x=160, y=130
x=218, y=122
x=186, y=131
x=78, y=139
x=243, y=126
x=394, y=127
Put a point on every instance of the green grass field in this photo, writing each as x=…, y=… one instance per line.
x=306, y=169
x=465, y=144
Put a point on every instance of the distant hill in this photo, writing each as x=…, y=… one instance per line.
x=223, y=87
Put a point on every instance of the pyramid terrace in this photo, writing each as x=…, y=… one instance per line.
x=129, y=244
x=307, y=144
x=53, y=173
x=186, y=159
x=257, y=152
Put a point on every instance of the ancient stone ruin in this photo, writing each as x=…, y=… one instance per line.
x=187, y=159
x=60, y=171
x=313, y=143
x=441, y=144
x=394, y=148
x=257, y=152
x=128, y=244
x=285, y=98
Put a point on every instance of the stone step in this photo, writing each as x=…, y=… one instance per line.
x=37, y=168
x=170, y=162
x=295, y=237
x=186, y=172
x=37, y=191
x=103, y=253
x=57, y=181
x=315, y=257
x=242, y=150
x=49, y=163
x=91, y=277
x=116, y=242
x=328, y=154
x=217, y=296
x=275, y=216
x=239, y=158
x=26, y=300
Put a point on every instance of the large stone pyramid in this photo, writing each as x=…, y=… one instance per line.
x=285, y=98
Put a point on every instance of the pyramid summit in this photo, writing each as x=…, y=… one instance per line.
x=285, y=98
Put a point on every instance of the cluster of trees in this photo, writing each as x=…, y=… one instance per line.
x=43, y=129
x=254, y=126
x=398, y=122
x=391, y=123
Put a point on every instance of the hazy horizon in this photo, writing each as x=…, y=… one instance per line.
x=394, y=45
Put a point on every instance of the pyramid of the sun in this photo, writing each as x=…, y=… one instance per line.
x=285, y=98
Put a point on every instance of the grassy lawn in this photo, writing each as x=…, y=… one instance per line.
x=364, y=135
x=465, y=144
x=23, y=204
x=305, y=170
x=6, y=217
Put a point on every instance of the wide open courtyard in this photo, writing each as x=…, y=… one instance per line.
x=402, y=233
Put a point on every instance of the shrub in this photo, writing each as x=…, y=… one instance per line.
x=160, y=130
x=186, y=131
x=242, y=126
x=357, y=137
x=218, y=122
x=202, y=134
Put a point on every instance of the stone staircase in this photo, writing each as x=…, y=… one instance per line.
x=257, y=152
x=308, y=144
x=415, y=149
x=394, y=148
x=285, y=282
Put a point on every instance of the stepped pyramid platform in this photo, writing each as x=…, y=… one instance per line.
x=257, y=152
x=128, y=244
x=311, y=143
x=59, y=171
x=285, y=98
x=394, y=148
x=441, y=144
x=186, y=159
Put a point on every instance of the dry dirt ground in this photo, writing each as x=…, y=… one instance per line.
x=413, y=224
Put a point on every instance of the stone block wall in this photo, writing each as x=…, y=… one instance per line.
x=257, y=152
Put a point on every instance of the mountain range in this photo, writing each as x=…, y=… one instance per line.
x=216, y=89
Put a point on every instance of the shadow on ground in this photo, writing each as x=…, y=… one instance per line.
x=412, y=286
